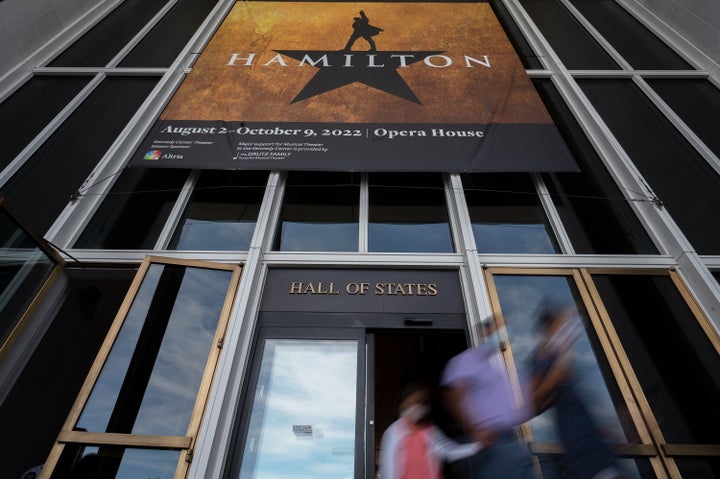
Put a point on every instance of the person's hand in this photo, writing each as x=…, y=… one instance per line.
x=485, y=437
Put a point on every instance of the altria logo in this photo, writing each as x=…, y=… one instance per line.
x=375, y=68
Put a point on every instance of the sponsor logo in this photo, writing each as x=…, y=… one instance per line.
x=153, y=155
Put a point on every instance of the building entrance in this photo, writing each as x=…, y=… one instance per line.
x=319, y=399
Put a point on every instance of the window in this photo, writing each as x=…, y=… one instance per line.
x=408, y=213
x=595, y=214
x=506, y=215
x=320, y=212
x=64, y=161
x=135, y=210
x=32, y=415
x=27, y=111
x=99, y=45
x=638, y=45
x=140, y=407
x=696, y=102
x=157, y=48
x=573, y=44
x=685, y=183
x=222, y=211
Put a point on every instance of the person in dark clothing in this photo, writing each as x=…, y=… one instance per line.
x=587, y=455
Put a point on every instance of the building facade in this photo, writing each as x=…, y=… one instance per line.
x=222, y=323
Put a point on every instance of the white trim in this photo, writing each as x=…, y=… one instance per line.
x=552, y=215
x=175, y=215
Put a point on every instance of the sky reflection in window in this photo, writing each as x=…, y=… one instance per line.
x=302, y=423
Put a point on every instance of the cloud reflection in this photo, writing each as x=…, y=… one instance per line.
x=303, y=382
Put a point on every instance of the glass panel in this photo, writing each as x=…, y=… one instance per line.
x=408, y=214
x=506, y=214
x=30, y=109
x=697, y=103
x=595, y=215
x=573, y=44
x=699, y=468
x=525, y=52
x=31, y=414
x=24, y=267
x=98, y=46
x=113, y=462
x=685, y=183
x=302, y=423
x=222, y=211
x=521, y=299
x=150, y=379
x=717, y=277
x=552, y=468
x=158, y=49
x=65, y=160
x=320, y=212
x=135, y=211
x=677, y=366
x=637, y=45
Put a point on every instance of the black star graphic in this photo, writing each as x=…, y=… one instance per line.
x=377, y=69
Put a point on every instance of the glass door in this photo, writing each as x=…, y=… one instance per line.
x=323, y=388
x=302, y=413
x=139, y=411
x=622, y=370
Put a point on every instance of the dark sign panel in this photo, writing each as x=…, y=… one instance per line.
x=362, y=290
x=362, y=87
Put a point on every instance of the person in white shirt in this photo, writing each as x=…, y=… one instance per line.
x=413, y=447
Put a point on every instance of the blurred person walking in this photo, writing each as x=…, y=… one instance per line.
x=587, y=455
x=480, y=396
x=412, y=447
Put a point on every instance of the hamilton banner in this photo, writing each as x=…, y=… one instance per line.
x=357, y=87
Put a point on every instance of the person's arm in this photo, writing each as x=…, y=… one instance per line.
x=362, y=14
x=542, y=386
x=445, y=448
x=388, y=446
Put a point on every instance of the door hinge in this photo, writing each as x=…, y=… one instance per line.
x=220, y=342
x=189, y=456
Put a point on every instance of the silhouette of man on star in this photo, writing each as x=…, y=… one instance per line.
x=363, y=29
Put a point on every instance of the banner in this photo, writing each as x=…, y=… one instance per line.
x=357, y=87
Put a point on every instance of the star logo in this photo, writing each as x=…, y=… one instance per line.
x=376, y=69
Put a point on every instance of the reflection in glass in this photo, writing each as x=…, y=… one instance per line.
x=637, y=45
x=302, y=423
x=593, y=211
x=150, y=379
x=113, y=462
x=520, y=298
x=689, y=189
x=133, y=214
x=222, y=211
x=699, y=468
x=675, y=362
x=506, y=214
x=408, y=214
x=24, y=267
x=696, y=102
x=577, y=49
x=320, y=212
